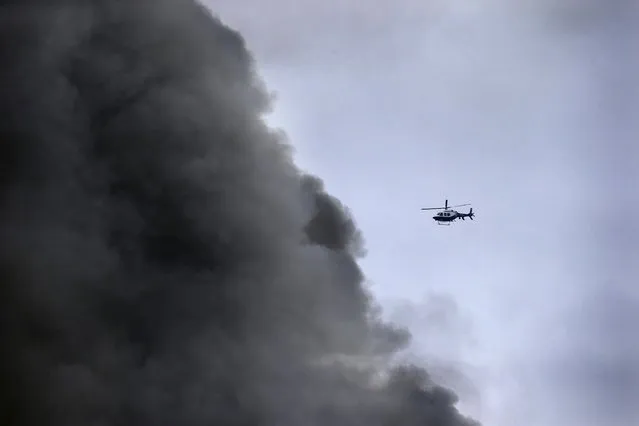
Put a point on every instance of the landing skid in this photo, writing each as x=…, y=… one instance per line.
x=443, y=223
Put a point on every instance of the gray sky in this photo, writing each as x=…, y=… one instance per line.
x=527, y=109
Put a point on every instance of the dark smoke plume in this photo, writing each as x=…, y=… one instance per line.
x=163, y=261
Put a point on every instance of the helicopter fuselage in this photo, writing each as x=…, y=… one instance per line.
x=446, y=216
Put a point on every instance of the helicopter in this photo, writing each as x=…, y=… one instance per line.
x=448, y=215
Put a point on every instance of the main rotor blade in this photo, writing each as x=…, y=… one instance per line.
x=461, y=205
x=433, y=208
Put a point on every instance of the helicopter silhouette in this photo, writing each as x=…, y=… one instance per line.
x=448, y=215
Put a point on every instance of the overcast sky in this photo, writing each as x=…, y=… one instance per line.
x=526, y=109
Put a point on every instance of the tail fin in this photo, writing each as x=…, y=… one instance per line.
x=471, y=214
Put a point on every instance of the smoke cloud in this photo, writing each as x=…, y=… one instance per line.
x=163, y=260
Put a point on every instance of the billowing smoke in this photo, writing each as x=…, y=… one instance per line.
x=163, y=261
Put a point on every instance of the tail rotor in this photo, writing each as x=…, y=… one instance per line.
x=471, y=214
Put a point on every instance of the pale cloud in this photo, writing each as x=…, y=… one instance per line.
x=526, y=109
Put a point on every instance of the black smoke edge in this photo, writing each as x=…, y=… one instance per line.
x=163, y=261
